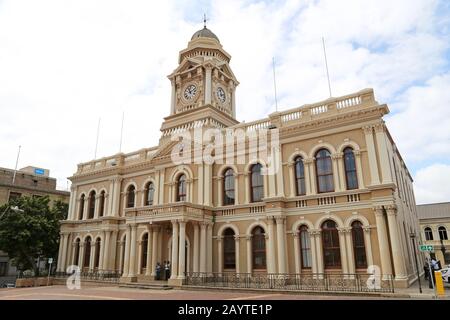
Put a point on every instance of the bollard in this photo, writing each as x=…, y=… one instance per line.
x=439, y=284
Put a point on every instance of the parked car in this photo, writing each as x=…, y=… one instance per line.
x=446, y=273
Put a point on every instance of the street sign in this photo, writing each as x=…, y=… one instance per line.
x=425, y=248
x=50, y=260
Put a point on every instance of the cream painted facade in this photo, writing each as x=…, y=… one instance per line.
x=203, y=94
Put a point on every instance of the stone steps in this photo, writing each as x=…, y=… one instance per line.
x=146, y=285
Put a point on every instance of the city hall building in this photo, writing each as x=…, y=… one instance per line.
x=341, y=201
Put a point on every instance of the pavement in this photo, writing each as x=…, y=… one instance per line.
x=113, y=292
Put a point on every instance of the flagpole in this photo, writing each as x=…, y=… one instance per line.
x=96, y=142
x=15, y=168
x=274, y=84
x=326, y=65
x=121, y=132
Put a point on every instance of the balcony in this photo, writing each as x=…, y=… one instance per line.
x=169, y=211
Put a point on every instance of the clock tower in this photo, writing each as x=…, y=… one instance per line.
x=203, y=87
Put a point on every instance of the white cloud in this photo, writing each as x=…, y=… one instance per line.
x=64, y=64
x=431, y=184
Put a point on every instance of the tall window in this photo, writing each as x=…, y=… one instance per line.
x=257, y=183
x=324, y=171
x=300, y=176
x=330, y=244
x=259, y=248
x=91, y=205
x=76, y=256
x=228, y=187
x=442, y=233
x=359, y=247
x=97, y=253
x=144, y=251
x=350, y=169
x=229, y=249
x=149, y=194
x=305, y=247
x=101, y=208
x=428, y=234
x=80, y=213
x=181, y=188
x=87, y=252
x=131, y=196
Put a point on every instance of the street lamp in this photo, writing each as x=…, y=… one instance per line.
x=412, y=235
x=15, y=209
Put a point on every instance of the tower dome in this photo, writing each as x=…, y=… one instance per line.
x=204, y=33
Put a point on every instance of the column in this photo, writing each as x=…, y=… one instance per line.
x=319, y=253
x=279, y=173
x=157, y=190
x=297, y=261
x=92, y=257
x=85, y=207
x=106, y=264
x=209, y=243
x=132, y=270
x=81, y=256
x=161, y=187
x=73, y=203
x=343, y=249
x=385, y=256
x=65, y=251
x=116, y=197
x=247, y=187
x=139, y=254
x=220, y=254
x=149, y=268
x=350, y=253
x=341, y=171
x=61, y=246
x=174, y=262
x=102, y=251
x=271, y=247
x=368, y=244
x=383, y=153
x=311, y=169
x=96, y=205
x=201, y=184
x=236, y=188
x=208, y=183
x=281, y=231
x=292, y=187
x=196, y=248
x=249, y=254
x=336, y=172
x=173, y=97
x=269, y=183
x=373, y=165
x=399, y=261
x=155, y=251
x=182, y=250
x=127, y=252
x=110, y=211
x=203, y=247
x=359, y=171
x=208, y=84
x=237, y=253
x=312, y=241
x=220, y=191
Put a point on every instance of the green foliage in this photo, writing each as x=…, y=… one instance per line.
x=33, y=233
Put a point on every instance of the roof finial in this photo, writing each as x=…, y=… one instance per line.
x=204, y=20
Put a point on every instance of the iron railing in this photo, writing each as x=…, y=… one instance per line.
x=294, y=282
x=102, y=275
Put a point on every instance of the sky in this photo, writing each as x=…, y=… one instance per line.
x=66, y=64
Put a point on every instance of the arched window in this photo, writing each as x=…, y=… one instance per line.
x=350, y=169
x=149, y=194
x=330, y=244
x=87, y=252
x=80, y=213
x=76, y=255
x=258, y=248
x=91, y=205
x=359, y=247
x=97, y=253
x=305, y=247
x=181, y=188
x=229, y=249
x=300, y=176
x=256, y=183
x=324, y=171
x=101, y=208
x=144, y=248
x=442, y=233
x=131, y=196
x=428, y=234
x=228, y=187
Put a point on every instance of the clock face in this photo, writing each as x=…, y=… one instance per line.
x=190, y=92
x=221, y=95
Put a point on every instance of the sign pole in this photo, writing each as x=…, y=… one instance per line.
x=50, y=261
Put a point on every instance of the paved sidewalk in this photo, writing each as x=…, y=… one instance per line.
x=414, y=293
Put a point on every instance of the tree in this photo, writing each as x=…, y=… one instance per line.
x=33, y=233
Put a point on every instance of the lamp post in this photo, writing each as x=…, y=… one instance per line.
x=412, y=235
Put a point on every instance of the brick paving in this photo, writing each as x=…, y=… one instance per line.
x=115, y=293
